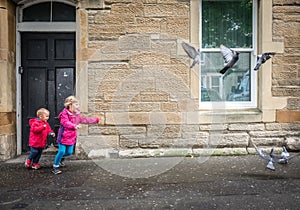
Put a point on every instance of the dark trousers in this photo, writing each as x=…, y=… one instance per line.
x=35, y=154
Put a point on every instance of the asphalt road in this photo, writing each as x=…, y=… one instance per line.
x=225, y=182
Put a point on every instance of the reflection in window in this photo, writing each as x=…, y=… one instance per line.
x=37, y=12
x=63, y=12
x=227, y=22
x=49, y=12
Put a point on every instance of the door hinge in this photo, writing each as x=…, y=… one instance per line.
x=20, y=69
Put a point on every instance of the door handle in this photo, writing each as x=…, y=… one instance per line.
x=20, y=70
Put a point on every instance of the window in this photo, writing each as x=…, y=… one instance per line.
x=233, y=24
x=49, y=12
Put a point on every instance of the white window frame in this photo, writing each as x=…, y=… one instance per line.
x=254, y=81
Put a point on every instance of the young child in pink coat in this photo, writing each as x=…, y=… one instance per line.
x=39, y=131
x=70, y=119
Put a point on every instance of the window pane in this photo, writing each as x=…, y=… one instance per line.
x=63, y=12
x=227, y=22
x=37, y=12
x=234, y=85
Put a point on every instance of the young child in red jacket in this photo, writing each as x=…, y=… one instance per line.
x=39, y=131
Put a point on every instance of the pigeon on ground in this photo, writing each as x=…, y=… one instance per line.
x=272, y=158
x=192, y=53
x=262, y=59
x=230, y=56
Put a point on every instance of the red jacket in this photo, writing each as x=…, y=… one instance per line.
x=39, y=133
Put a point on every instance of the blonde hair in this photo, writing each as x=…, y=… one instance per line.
x=42, y=111
x=69, y=101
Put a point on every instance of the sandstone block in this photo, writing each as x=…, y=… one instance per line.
x=285, y=2
x=6, y=118
x=206, y=152
x=146, y=58
x=117, y=130
x=286, y=91
x=286, y=9
x=293, y=103
x=143, y=106
x=169, y=107
x=178, y=26
x=168, y=47
x=189, y=128
x=293, y=143
x=134, y=42
x=134, y=9
x=213, y=127
x=268, y=141
x=154, y=97
x=165, y=10
x=283, y=126
x=109, y=19
x=130, y=141
x=163, y=131
x=229, y=140
x=126, y=118
x=246, y=127
x=156, y=142
x=262, y=134
x=8, y=146
x=285, y=116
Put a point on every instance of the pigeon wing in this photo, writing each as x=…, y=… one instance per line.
x=190, y=50
x=259, y=62
x=262, y=153
x=283, y=159
x=227, y=53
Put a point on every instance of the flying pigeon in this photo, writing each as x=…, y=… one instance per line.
x=192, y=53
x=262, y=59
x=230, y=56
x=272, y=158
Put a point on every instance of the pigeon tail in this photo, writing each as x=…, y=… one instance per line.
x=224, y=69
x=194, y=63
x=257, y=66
x=271, y=165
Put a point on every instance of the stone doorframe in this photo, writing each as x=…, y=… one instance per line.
x=32, y=27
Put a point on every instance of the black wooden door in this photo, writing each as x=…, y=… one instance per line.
x=48, y=76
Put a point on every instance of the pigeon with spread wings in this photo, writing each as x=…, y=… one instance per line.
x=192, y=53
x=230, y=57
x=283, y=158
x=262, y=59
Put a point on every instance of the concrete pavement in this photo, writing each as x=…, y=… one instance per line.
x=218, y=182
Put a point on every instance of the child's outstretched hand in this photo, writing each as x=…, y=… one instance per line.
x=101, y=118
x=77, y=127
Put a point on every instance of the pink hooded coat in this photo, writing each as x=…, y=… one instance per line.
x=67, y=133
x=38, y=133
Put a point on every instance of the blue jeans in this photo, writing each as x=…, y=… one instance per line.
x=35, y=154
x=63, y=151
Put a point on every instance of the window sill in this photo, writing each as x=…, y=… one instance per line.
x=224, y=116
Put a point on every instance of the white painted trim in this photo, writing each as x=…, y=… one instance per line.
x=46, y=26
x=18, y=94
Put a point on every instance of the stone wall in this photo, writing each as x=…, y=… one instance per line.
x=8, y=146
x=138, y=76
x=189, y=139
x=286, y=66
